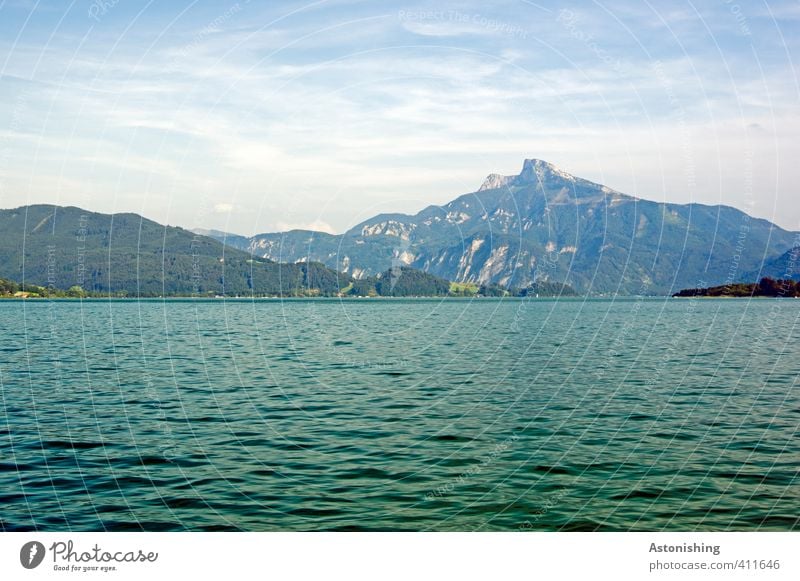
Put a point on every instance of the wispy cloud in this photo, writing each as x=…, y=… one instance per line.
x=347, y=105
x=223, y=208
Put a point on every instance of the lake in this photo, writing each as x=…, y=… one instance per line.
x=508, y=415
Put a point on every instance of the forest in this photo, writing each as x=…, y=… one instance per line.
x=766, y=287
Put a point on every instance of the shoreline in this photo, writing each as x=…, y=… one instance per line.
x=570, y=298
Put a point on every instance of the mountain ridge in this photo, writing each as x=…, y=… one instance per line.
x=542, y=225
x=545, y=224
x=126, y=254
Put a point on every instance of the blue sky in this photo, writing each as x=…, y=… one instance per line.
x=261, y=116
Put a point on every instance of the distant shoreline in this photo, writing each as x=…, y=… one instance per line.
x=295, y=298
x=768, y=288
x=350, y=299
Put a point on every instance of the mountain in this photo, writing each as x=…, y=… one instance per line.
x=224, y=237
x=785, y=266
x=127, y=254
x=546, y=225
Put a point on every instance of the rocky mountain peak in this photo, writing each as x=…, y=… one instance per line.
x=534, y=171
x=537, y=170
x=494, y=181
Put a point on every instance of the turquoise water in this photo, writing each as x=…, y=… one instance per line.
x=400, y=415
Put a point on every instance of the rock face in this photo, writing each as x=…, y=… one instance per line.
x=547, y=225
x=495, y=181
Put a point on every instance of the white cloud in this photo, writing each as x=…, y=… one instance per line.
x=331, y=116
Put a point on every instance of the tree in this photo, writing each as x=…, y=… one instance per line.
x=769, y=287
x=76, y=292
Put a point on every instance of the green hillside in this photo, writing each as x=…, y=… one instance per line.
x=128, y=255
x=401, y=282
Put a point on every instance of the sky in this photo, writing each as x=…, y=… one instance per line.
x=254, y=117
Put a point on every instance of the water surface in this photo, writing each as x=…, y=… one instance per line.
x=400, y=415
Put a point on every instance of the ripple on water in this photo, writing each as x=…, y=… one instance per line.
x=310, y=416
x=70, y=445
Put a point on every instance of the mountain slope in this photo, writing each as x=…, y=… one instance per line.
x=125, y=253
x=785, y=266
x=224, y=237
x=547, y=225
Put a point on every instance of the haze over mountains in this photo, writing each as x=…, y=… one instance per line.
x=547, y=225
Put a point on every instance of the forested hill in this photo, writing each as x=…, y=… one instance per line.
x=766, y=287
x=401, y=282
x=128, y=255
x=404, y=281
